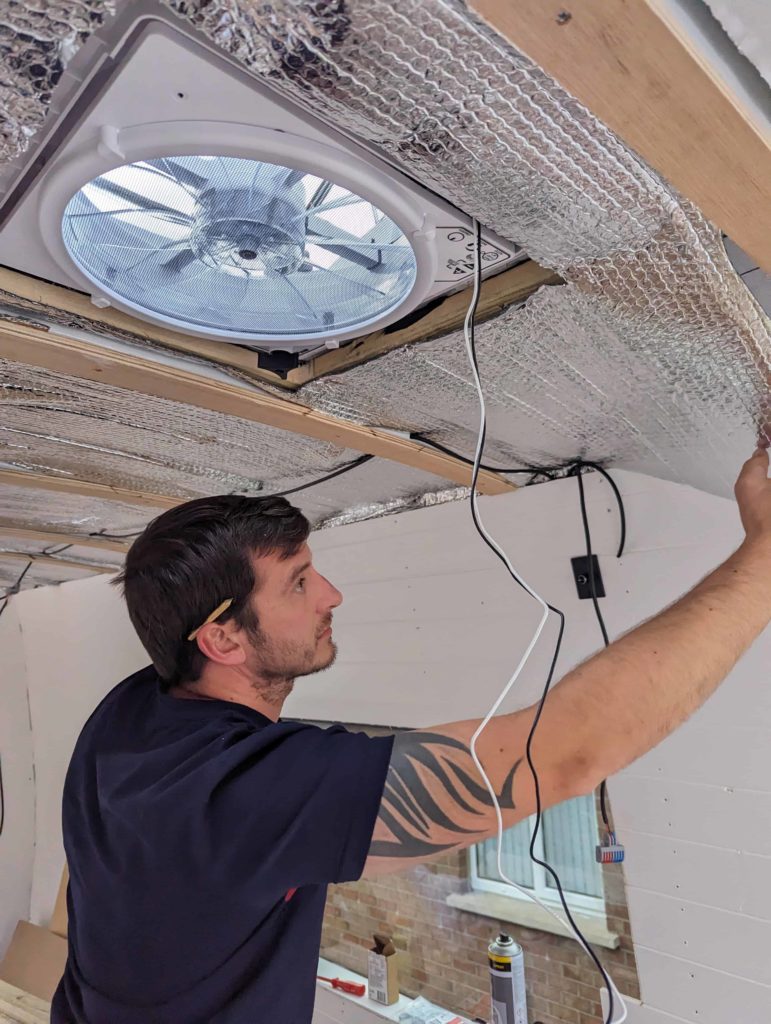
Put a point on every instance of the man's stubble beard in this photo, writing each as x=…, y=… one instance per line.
x=274, y=669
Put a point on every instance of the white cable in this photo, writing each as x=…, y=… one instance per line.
x=525, y=657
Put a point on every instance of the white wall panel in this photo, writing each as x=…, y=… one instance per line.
x=738, y=819
x=698, y=994
x=737, y=756
x=17, y=842
x=729, y=879
x=79, y=644
x=698, y=933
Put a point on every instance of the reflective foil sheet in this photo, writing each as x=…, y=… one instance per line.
x=67, y=427
x=37, y=40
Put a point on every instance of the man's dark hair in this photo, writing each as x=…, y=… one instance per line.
x=191, y=559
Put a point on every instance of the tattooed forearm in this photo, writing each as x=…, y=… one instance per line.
x=432, y=794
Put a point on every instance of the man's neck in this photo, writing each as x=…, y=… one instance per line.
x=265, y=696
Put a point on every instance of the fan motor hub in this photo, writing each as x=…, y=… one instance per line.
x=249, y=231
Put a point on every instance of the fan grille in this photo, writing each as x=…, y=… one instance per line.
x=239, y=247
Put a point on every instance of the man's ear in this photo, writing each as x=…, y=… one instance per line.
x=220, y=643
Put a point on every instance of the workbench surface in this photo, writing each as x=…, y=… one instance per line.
x=17, y=1007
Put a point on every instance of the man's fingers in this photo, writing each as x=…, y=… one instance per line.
x=755, y=468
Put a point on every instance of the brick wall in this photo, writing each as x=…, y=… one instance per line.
x=442, y=950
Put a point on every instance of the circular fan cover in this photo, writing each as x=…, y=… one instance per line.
x=241, y=248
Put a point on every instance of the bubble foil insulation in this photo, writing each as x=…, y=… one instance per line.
x=37, y=41
x=654, y=356
x=29, y=507
x=71, y=428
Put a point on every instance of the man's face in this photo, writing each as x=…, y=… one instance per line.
x=294, y=605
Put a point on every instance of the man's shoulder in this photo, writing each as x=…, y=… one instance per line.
x=132, y=688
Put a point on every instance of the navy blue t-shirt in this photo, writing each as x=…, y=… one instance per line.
x=200, y=837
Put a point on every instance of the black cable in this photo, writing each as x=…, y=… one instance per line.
x=278, y=494
x=590, y=557
x=48, y=551
x=116, y=536
x=2, y=799
x=322, y=479
x=592, y=581
x=528, y=749
x=15, y=588
x=579, y=464
x=528, y=470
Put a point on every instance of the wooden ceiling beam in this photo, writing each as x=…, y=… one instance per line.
x=20, y=556
x=36, y=346
x=513, y=285
x=505, y=289
x=223, y=353
x=85, y=489
x=635, y=69
x=50, y=537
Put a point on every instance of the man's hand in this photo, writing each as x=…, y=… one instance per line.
x=753, y=493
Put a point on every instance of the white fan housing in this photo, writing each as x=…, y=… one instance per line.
x=178, y=188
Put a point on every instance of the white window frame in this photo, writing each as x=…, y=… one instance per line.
x=590, y=905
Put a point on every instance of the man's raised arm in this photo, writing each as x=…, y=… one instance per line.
x=602, y=716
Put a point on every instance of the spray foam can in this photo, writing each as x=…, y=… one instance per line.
x=507, y=981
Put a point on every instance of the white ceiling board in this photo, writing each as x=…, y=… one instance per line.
x=759, y=283
x=18, y=843
x=727, y=36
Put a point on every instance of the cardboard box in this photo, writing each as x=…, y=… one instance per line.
x=58, y=923
x=35, y=960
x=382, y=972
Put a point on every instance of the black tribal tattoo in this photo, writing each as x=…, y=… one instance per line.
x=408, y=807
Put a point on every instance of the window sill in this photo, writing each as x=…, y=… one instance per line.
x=529, y=915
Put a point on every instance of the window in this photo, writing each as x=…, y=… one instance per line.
x=566, y=840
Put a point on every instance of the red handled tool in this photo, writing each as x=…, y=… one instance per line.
x=352, y=987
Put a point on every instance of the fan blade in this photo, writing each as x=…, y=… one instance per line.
x=139, y=201
x=300, y=296
x=333, y=204
x=357, y=284
x=293, y=178
x=178, y=262
x=359, y=258
x=182, y=174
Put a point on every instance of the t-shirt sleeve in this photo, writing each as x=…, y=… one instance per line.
x=303, y=805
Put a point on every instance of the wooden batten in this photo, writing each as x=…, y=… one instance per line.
x=513, y=285
x=36, y=346
x=633, y=66
x=85, y=489
x=21, y=556
x=9, y=532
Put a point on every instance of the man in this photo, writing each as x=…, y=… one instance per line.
x=201, y=831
